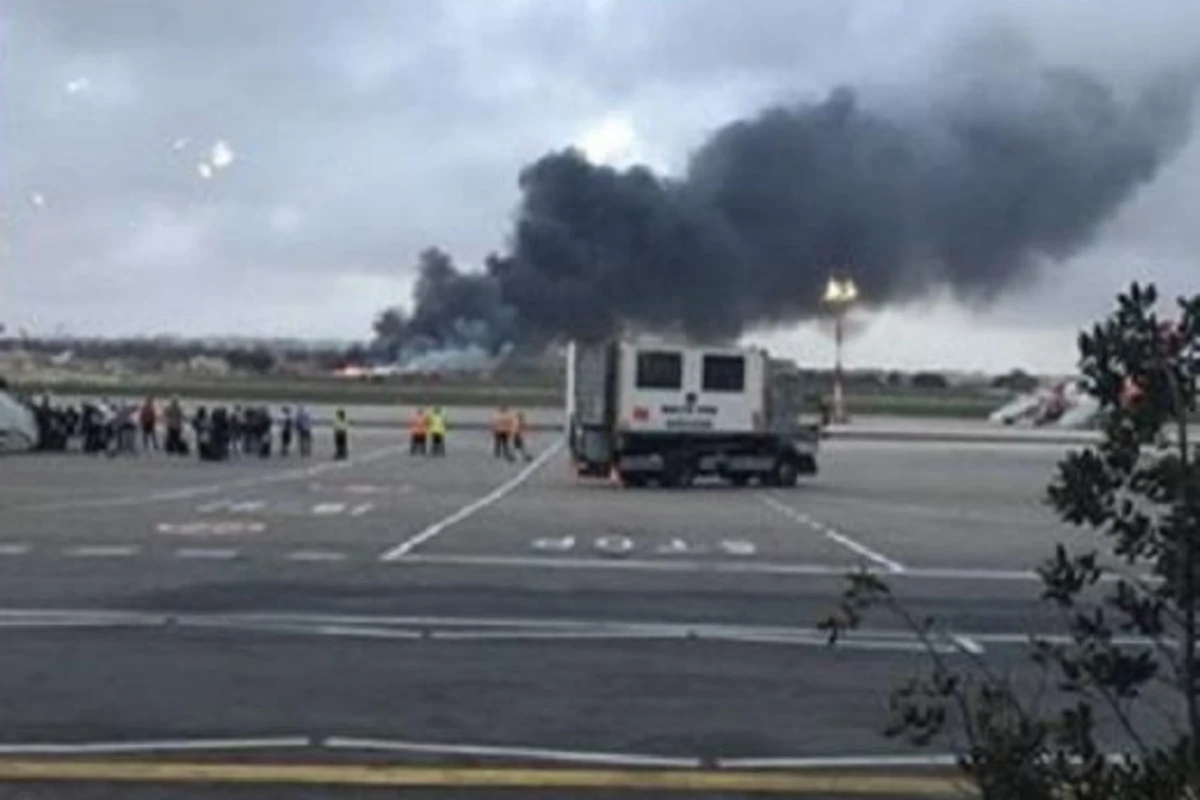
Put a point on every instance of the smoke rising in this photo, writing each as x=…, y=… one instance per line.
x=972, y=186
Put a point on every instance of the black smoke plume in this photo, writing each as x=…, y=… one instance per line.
x=973, y=188
x=452, y=310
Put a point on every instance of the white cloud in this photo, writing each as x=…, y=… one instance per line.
x=285, y=219
x=610, y=141
x=221, y=155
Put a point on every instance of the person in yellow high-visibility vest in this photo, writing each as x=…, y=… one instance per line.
x=437, y=432
x=341, y=435
x=418, y=433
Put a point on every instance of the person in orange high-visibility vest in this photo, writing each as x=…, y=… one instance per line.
x=501, y=434
x=418, y=433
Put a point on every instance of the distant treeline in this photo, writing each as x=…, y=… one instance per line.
x=156, y=353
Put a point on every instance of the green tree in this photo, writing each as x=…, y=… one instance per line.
x=1139, y=489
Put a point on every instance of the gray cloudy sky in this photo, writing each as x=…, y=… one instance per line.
x=365, y=131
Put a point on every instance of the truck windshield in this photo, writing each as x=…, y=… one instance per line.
x=724, y=373
x=658, y=369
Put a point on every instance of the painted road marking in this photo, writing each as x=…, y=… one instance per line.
x=619, y=544
x=158, y=771
x=102, y=551
x=841, y=762
x=361, y=509
x=315, y=555
x=562, y=545
x=499, y=493
x=328, y=509
x=14, y=549
x=738, y=547
x=232, y=506
x=207, y=490
x=200, y=528
x=362, y=488
x=491, y=751
x=743, y=568
x=154, y=746
x=837, y=536
x=214, y=553
x=614, y=544
x=663, y=565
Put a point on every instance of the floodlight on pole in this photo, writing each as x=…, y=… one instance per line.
x=839, y=296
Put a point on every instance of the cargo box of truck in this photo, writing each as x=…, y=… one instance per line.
x=647, y=410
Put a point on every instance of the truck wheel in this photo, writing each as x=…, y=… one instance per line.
x=679, y=475
x=632, y=480
x=785, y=473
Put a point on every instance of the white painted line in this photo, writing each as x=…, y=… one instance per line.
x=969, y=644
x=51, y=748
x=328, y=509
x=864, y=551
x=551, y=635
x=840, y=538
x=209, y=508
x=499, y=493
x=361, y=508
x=664, y=565
x=492, y=751
x=554, y=545
x=614, y=544
x=676, y=633
x=223, y=528
x=14, y=549
x=835, y=762
x=78, y=613
x=207, y=490
x=386, y=626
x=1053, y=638
x=738, y=547
x=66, y=623
x=296, y=628
x=973, y=574
x=315, y=555
x=673, y=547
x=743, y=567
x=366, y=632
x=102, y=551
x=215, y=553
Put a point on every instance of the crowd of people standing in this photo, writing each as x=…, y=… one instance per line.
x=222, y=432
x=213, y=434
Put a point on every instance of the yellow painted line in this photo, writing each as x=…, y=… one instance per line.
x=849, y=784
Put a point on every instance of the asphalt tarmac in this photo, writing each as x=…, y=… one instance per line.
x=471, y=610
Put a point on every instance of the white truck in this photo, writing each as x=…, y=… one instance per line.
x=647, y=411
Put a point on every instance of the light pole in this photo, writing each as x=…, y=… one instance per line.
x=839, y=296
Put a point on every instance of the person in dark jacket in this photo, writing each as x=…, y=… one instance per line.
x=285, y=432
